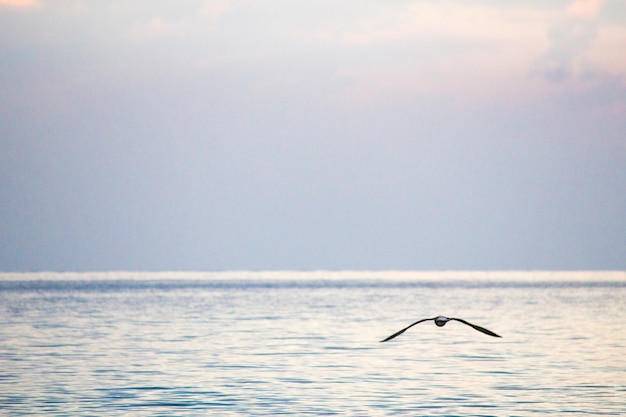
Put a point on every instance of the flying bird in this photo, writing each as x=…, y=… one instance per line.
x=441, y=321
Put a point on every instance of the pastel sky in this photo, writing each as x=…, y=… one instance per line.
x=344, y=134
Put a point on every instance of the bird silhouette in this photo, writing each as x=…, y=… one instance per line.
x=441, y=321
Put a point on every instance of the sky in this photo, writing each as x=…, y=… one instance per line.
x=312, y=135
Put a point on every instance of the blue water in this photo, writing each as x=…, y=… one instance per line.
x=287, y=343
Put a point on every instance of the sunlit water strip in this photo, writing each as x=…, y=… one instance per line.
x=439, y=276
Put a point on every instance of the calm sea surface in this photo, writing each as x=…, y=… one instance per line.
x=272, y=343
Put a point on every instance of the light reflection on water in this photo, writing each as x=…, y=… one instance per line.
x=167, y=345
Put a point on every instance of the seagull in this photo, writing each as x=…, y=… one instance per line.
x=441, y=321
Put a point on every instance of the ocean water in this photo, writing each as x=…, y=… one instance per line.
x=293, y=343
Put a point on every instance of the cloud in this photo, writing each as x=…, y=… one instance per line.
x=572, y=65
x=214, y=9
x=585, y=8
x=22, y=4
x=571, y=37
x=158, y=28
x=420, y=47
x=167, y=25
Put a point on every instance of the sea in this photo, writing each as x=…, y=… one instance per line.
x=241, y=343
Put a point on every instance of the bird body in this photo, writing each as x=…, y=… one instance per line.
x=441, y=321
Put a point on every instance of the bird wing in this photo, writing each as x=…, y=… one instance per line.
x=480, y=329
x=398, y=333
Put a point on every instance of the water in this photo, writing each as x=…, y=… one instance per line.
x=283, y=343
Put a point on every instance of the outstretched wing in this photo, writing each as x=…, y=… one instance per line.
x=480, y=329
x=398, y=333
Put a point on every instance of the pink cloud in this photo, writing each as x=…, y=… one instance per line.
x=584, y=8
x=19, y=3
